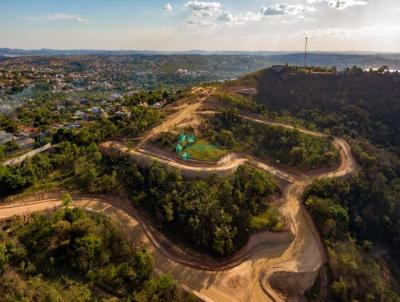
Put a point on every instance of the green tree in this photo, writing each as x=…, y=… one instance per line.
x=3, y=256
x=87, y=250
x=66, y=199
x=157, y=290
x=226, y=138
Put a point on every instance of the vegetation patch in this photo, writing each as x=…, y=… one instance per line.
x=204, y=151
x=287, y=146
x=354, y=271
x=70, y=255
x=270, y=219
x=212, y=215
x=201, y=150
x=240, y=102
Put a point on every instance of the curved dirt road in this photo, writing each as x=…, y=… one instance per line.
x=267, y=265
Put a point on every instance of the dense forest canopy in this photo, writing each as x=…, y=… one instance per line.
x=354, y=103
x=274, y=143
x=70, y=255
x=216, y=215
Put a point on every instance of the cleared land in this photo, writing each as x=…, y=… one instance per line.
x=204, y=151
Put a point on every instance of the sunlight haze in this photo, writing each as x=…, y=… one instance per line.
x=345, y=25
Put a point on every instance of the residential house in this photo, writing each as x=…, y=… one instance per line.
x=5, y=137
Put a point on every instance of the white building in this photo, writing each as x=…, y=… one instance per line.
x=5, y=137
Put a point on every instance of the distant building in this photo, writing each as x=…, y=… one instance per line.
x=25, y=142
x=74, y=125
x=80, y=115
x=29, y=132
x=159, y=104
x=123, y=113
x=115, y=96
x=132, y=93
x=95, y=110
x=84, y=102
x=181, y=71
x=5, y=137
x=5, y=109
x=278, y=68
x=60, y=108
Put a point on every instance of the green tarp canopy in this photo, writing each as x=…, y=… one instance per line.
x=179, y=148
x=186, y=156
x=191, y=139
x=182, y=138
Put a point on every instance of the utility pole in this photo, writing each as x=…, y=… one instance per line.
x=305, y=52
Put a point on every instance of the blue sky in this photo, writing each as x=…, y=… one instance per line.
x=370, y=25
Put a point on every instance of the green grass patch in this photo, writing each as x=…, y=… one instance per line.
x=270, y=219
x=204, y=151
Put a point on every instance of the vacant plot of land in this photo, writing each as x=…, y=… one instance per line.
x=204, y=151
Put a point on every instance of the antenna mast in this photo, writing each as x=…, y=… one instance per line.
x=305, y=52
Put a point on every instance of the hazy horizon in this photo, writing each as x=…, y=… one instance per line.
x=206, y=50
x=254, y=25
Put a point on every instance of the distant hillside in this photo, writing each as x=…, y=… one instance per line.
x=368, y=103
x=77, y=52
x=339, y=59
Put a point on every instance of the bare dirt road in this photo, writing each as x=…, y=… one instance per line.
x=174, y=119
x=266, y=264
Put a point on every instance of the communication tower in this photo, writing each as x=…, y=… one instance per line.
x=305, y=52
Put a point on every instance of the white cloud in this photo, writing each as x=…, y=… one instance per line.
x=203, y=7
x=286, y=9
x=228, y=17
x=225, y=17
x=168, y=7
x=59, y=17
x=209, y=13
x=202, y=12
x=340, y=4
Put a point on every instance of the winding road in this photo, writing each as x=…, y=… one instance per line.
x=288, y=261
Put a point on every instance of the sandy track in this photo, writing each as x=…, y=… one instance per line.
x=173, y=120
x=266, y=265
